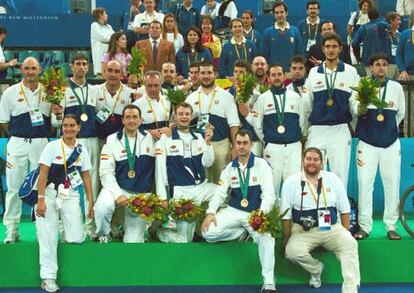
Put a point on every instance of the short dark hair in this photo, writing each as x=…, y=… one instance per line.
x=274, y=66
x=157, y=22
x=242, y=63
x=313, y=150
x=72, y=116
x=205, y=63
x=313, y=2
x=373, y=13
x=131, y=107
x=195, y=64
x=183, y=105
x=378, y=56
x=244, y=132
x=328, y=21
x=249, y=12
x=279, y=3
x=298, y=59
x=330, y=37
x=392, y=15
x=79, y=56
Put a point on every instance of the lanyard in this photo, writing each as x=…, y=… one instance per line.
x=25, y=97
x=189, y=60
x=146, y=17
x=330, y=86
x=244, y=50
x=83, y=102
x=317, y=198
x=155, y=114
x=383, y=95
x=280, y=111
x=309, y=31
x=118, y=98
x=65, y=166
x=211, y=102
x=131, y=157
x=244, y=182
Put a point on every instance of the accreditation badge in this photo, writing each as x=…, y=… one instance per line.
x=75, y=179
x=36, y=117
x=324, y=220
x=202, y=122
x=103, y=115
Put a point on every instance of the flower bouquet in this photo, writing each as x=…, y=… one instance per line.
x=263, y=88
x=176, y=96
x=367, y=94
x=54, y=85
x=137, y=63
x=244, y=88
x=148, y=207
x=224, y=83
x=186, y=210
x=267, y=223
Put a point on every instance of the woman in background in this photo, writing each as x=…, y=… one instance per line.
x=209, y=40
x=170, y=31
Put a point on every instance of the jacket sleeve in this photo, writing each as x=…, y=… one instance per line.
x=161, y=179
x=107, y=171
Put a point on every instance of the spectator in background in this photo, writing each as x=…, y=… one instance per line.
x=117, y=50
x=211, y=8
x=7, y=6
x=192, y=51
x=405, y=8
x=248, y=29
x=210, y=40
x=394, y=19
x=187, y=16
x=405, y=64
x=316, y=56
x=142, y=21
x=373, y=36
x=170, y=32
x=126, y=21
x=156, y=49
x=309, y=27
x=101, y=33
x=3, y=64
x=226, y=11
x=238, y=48
x=281, y=41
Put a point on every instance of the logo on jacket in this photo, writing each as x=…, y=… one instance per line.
x=292, y=107
x=101, y=99
x=254, y=178
x=123, y=151
x=20, y=100
x=58, y=157
x=292, y=40
x=233, y=178
x=173, y=146
x=391, y=104
x=269, y=105
x=147, y=150
x=72, y=98
x=149, y=111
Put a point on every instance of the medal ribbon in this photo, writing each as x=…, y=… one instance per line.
x=244, y=182
x=317, y=198
x=309, y=31
x=118, y=98
x=244, y=50
x=65, y=166
x=83, y=103
x=211, y=102
x=25, y=97
x=155, y=114
x=280, y=112
x=330, y=86
x=189, y=60
x=383, y=95
x=131, y=157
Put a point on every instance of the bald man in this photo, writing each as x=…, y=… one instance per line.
x=26, y=118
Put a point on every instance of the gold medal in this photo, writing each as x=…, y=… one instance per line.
x=84, y=117
x=244, y=203
x=330, y=102
x=380, y=117
x=281, y=129
x=131, y=174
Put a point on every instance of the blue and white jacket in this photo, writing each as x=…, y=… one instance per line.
x=261, y=193
x=114, y=168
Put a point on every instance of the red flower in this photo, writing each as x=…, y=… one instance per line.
x=257, y=222
x=179, y=211
x=136, y=202
x=188, y=206
x=147, y=211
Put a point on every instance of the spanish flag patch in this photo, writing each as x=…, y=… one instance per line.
x=158, y=152
x=104, y=157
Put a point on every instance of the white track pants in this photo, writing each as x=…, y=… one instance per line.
x=184, y=231
x=104, y=209
x=285, y=160
x=335, y=143
x=232, y=224
x=92, y=145
x=338, y=240
x=22, y=155
x=47, y=228
x=389, y=162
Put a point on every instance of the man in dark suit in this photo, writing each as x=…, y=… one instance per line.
x=156, y=49
x=316, y=56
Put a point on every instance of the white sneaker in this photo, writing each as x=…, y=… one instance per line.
x=104, y=239
x=92, y=235
x=315, y=279
x=11, y=237
x=49, y=285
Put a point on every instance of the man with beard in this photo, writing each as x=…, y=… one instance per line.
x=259, y=68
x=313, y=198
x=309, y=27
x=168, y=76
x=247, y=182
x=179, y=165
x=279, y=125
x=215, y=106
x=379, y=145
x=330, y=92
x=298, y=71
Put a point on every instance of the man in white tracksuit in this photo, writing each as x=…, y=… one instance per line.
x=249, y=179
x=379, y=146
x=180, y=163
x=278, y=122
x=328, y=104
x=127, y=167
